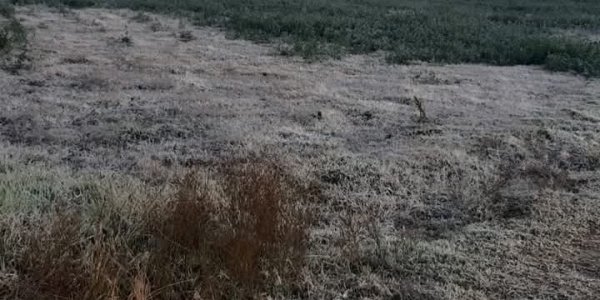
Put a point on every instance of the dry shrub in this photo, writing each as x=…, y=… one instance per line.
x=367, y=247
x=350, y=237
x=507, y=177
x=157, y=26
x=186, y=36
x=248, y=235
x=51, y=260
x=240, y=234
x=542, y=162
x=264, y=211
x=59, y=263
x=76, y=59
x=361, y=232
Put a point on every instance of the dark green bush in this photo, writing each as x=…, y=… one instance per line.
x=12, y=36
x=6, y=10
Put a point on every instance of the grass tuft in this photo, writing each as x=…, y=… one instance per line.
x=246, y=237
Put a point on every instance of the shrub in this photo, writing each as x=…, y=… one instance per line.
x=235, y=235
x=6, y=10
x=61, y=262
x=186, y=36
x=249, y=236
x=12, y=36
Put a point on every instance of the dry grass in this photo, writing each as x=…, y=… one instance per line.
x=171, y=170
x=248, y=240
x=239, y=235
x=241, y=230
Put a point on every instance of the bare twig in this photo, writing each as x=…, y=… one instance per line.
x=421, y=108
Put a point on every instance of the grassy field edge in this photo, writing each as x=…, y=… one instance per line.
x=558, y=35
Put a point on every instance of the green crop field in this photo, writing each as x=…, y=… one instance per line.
x=561, y=35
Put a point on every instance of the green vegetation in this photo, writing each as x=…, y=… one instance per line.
x=555, y=33
x=12, y=33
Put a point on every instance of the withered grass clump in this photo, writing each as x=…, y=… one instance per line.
x=239, y=234
x=246, y=236
x=62, y=262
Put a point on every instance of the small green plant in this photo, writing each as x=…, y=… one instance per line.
x=13, y=40
x=13, y=36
